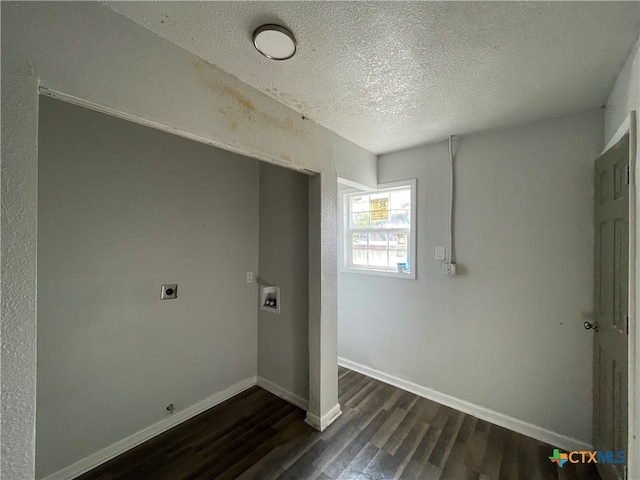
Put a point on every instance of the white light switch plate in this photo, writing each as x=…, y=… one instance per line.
x=440, y=253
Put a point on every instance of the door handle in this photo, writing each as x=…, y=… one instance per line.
x=591, y=326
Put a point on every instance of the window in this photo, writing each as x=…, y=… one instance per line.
x=379, y=230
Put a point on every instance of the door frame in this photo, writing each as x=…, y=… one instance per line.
x=629, y=125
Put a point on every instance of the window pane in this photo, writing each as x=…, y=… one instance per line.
x=359, y=255
x=359, y=242
x=378, y=240
x=378, y=257
x=360, y=203
x=380, y=223
x=360, y=220
x=360, y=239
x=380, y=212
x=400, y=218
x=379, y=207
x=400, y=199
x=379, y=249
x=398, y=249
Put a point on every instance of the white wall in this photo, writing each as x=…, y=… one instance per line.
x=625, y=97
x=625, y=94
x=506, y=334
x=283, y=347
x=123, y=209
x=87, y=52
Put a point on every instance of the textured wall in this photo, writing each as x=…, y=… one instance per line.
x=323, y=268
x=85, y=51
x=18, y=230
x=283, y=347
x=123, y=209
x=506, y=333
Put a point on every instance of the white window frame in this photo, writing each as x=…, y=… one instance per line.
x=346, y=233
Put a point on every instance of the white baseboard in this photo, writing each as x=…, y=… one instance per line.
x=320, y=423
x=277, y=390
x=312, y=419
x=115, y=449
x=553, y=438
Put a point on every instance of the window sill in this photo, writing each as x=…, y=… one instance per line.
x=378, y=273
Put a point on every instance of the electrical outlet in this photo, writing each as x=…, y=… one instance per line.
x=169, y=291
x=249, y=277
x=449, y=269
x=440, y=253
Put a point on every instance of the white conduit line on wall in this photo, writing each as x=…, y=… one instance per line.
x=450, y=255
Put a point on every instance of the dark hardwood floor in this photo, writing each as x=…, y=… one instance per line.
x=383, y=433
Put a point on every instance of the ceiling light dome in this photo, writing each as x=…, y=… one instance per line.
x=274, y=42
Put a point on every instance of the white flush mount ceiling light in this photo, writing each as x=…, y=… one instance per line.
x=274, y=42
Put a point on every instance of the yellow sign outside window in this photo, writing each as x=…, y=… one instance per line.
x=379, y=209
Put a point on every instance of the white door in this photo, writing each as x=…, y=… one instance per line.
x=611, y=296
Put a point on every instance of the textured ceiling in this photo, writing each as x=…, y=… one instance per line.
x=389, y=75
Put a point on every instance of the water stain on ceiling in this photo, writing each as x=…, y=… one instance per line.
x=390, y=75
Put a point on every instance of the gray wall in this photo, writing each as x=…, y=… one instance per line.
x=283, y=347
x=506, y=334
x=625, y=94
x=121, y=210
